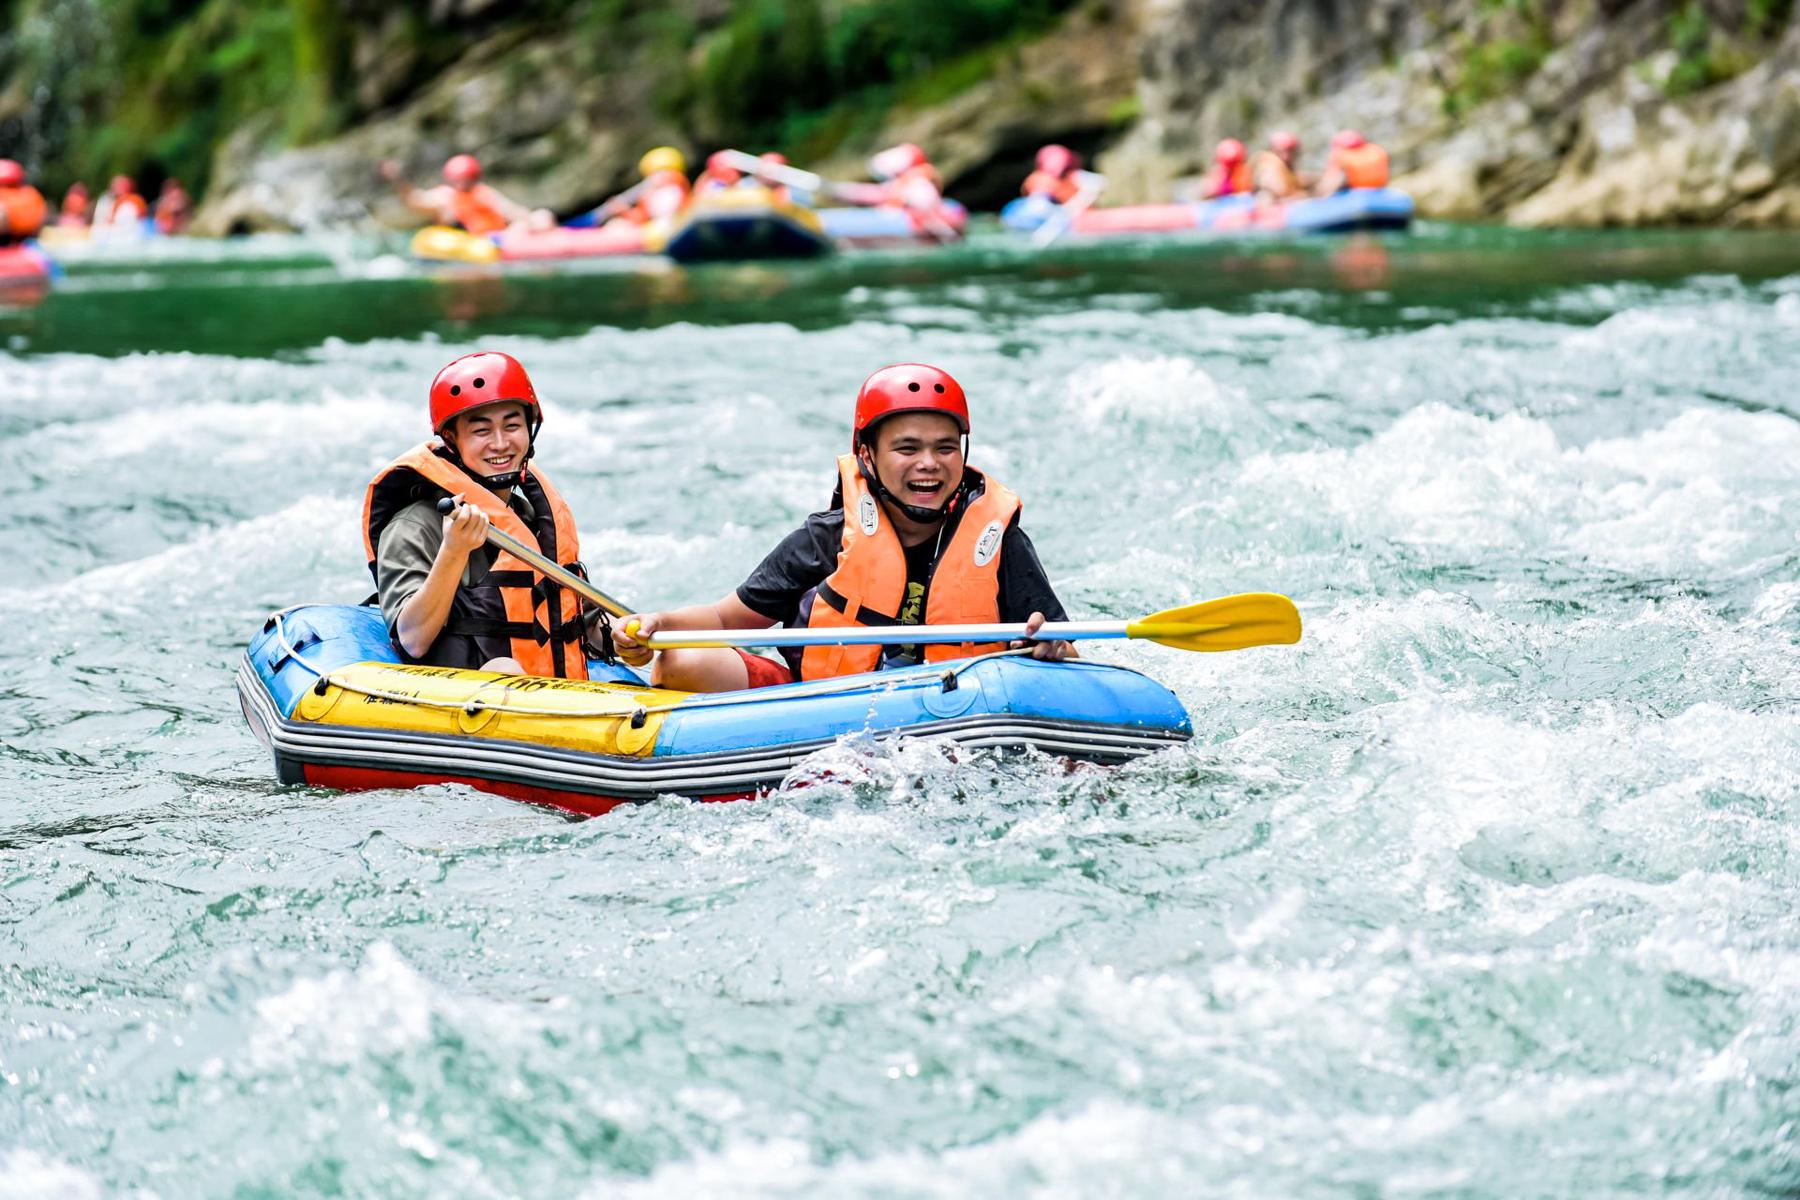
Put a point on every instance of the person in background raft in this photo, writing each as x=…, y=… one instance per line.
x=1354, y=163
x=121, y=209
x=1055, y=175
x=1274, y=172
x=913, y=536
x=464, y=201
x=174, y=209
x=449, y=598
x=22, y=207
x=659, y=195
x=1230, y=174
x=77, y=208
x=718, y=175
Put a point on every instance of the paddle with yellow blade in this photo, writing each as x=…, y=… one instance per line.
x=1228, y=623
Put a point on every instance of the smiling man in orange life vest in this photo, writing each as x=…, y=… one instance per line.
x=449, y=598
x=913, y=536
x=464, y=201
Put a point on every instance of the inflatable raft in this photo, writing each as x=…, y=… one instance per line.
x=1358, y=208
x=25, y=264
x=887, y=225
x=445, y=243
x=322, y=688
x=745, y=223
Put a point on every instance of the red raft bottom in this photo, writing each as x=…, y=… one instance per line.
x=363, y=779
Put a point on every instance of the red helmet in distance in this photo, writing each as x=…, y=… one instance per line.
x=1057, y=160
x=477, y=380
x=1283, y=142
x=463, y=168
x=11, y=173
x=1230, y=152
x=907, y=387
x=1346, y=139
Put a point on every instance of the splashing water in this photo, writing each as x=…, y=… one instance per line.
x=1488, y=888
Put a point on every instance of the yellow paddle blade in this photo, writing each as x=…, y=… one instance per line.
x=1228, y=623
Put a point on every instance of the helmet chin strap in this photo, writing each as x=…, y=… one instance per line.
x=506, y=481
x=917, y=512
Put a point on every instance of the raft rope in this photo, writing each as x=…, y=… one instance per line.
x=946, y=679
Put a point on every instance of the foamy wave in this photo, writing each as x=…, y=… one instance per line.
x=1709, y=490
x=28, y=1175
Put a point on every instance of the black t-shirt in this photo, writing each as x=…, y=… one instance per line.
x=806, y=557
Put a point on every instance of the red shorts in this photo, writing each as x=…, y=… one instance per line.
x=765, y=672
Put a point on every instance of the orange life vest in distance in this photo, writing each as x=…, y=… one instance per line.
x=1364, y=167
x=1220, y=182
x=476, y=211
x=540, y=616
x=25, y=211
x=869, y=584
x=1059, y=188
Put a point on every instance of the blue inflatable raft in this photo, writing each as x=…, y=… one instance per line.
x=323, y=689
x=1345, y=212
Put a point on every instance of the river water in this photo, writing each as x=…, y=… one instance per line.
x=1489, y=888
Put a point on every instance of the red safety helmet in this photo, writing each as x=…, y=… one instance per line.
x=478, y=380
x=1229, y=151
x=907, y=387
x=1283, y=142
x=11, y=173
x=121, y=185
x=463, y=168
x=774, y=158
x=1346, y=139
x=1057, y=160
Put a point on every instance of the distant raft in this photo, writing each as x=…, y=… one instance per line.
x=445, y=243
x=745, y=223
x=892, y=225
x=323, y=690
x=1345, y=212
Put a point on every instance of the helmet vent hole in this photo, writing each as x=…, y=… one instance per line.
x=937, y=387
x=456, y=389
x=912, y=387
x=479, y=381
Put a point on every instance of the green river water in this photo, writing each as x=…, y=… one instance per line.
x=1489, y=888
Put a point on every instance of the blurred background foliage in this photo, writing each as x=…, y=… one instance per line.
x=153, y=87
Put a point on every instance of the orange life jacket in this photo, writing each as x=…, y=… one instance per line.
x=869, y=584
x=1220, y=182
x=1364, y=167
x=1059, y=188
x=535, y=617
x=476, y=211
x=128, y=209
x=25, y=210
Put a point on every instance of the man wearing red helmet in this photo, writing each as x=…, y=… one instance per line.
x=913, y=536
x=1055, y=174
x=449, y=598
x=1275, y=171
x=464, y=201
x=22, y=206
x=1230, y=174
x=120, y=210
x=1355, y=162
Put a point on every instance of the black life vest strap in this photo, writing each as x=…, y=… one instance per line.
x=864, y=616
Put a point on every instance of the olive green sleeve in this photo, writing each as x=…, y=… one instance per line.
x=403, y=557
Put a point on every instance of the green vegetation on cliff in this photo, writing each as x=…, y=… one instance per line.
x=155, y=86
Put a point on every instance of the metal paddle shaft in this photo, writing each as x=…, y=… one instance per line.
x=537, y=562
x=905, y=635
x=1228, y=623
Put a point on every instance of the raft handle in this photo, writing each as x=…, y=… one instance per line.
x=322, y=686
x=638, y=717
x=950, y=681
